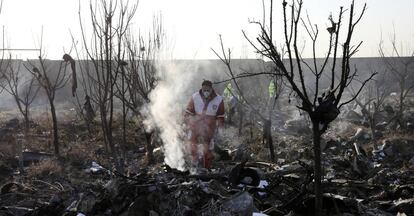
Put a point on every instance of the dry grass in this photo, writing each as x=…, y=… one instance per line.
x=8, y=146
x=44, y=120
x=45, y=168
x=79, y=154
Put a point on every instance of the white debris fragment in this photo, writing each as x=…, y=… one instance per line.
x=95, y=167
x=263, y=184
x=259, y=214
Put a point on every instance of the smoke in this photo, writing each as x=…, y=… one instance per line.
x=178, y=80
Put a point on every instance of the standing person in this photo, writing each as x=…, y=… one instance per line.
x=230, y=100
x=272, y=90
x=204, y=114
x=228, y=91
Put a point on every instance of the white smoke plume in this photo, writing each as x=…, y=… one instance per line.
x=168, y=103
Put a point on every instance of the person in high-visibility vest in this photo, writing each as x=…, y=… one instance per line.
x=228, y=91
x=272, y=89
x=231, y=101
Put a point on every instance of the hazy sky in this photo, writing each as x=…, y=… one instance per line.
x=193, y=26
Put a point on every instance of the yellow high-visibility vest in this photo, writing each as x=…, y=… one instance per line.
x=272, y=89
x=228, y=90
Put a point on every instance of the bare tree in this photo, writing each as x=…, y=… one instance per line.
x=371, y=101
x=322, y=108
x=3, y=67
x=142, y=56
x=401, y=68
x=267, y=138
x=140, y=76
x=50, y=79
x=244, y=101
x=23, y=88
x=84, y=108
x=110, y=21
x=2, y=54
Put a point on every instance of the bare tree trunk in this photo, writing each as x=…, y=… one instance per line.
x=104, y=127
x=317, y=166
x=267, y=138
x=241, y=113
x=111, y=117
x=109, y=135
x=124, y=141
x=251, y=124
x=19, y=144
x=124, y=110
x=149, y=147
x=26, y=123
x=401, y=106
x=55, y=127
x=372, y=126
x=268, y=127
x=23, y=141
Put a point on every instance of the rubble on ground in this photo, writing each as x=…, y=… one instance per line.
x=361, y=177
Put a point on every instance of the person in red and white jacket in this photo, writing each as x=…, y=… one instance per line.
x=204, y=113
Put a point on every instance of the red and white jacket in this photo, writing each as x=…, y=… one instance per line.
x=206, y=113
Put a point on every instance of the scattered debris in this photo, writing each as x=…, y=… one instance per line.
x=361, y=177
